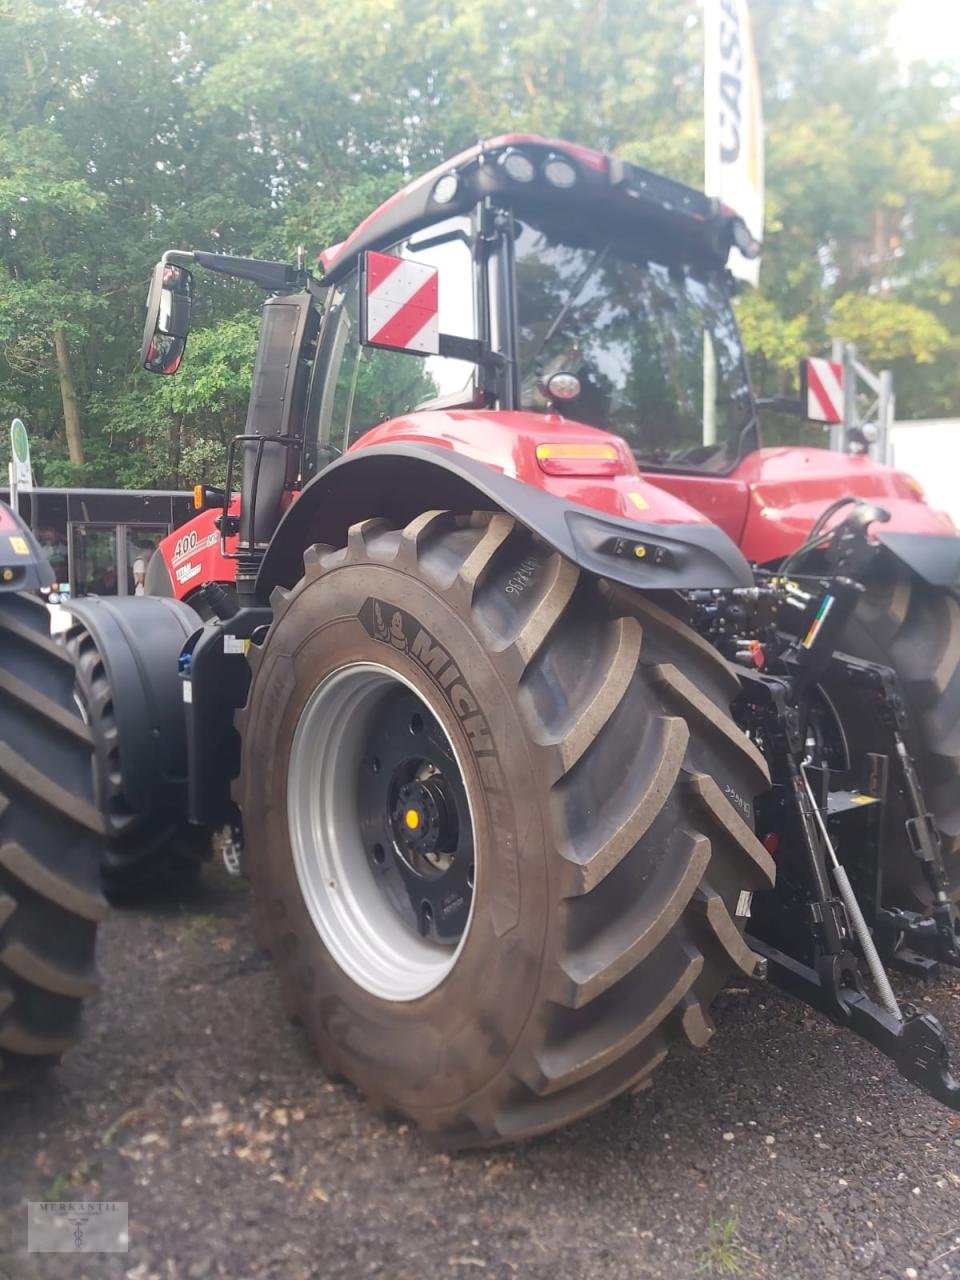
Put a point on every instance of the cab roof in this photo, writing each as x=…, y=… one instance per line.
x=601, y=187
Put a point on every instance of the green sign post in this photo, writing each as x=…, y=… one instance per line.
x=21, y=473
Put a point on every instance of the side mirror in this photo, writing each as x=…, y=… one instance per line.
x=821, y=390
x=169, y=303
x=399, y=304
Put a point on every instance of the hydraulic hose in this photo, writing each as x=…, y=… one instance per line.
x=816, y=536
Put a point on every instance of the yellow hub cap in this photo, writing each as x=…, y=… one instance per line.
x=412, y=819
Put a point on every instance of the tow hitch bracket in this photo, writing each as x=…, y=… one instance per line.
x=915, y=1043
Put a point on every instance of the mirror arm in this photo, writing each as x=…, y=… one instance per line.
x=470, y=349
x=175, y=257
x=275, y=277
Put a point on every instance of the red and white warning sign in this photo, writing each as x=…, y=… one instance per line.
x=402, y=304
x=822, y=390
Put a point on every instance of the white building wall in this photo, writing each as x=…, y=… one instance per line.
x=929, y=450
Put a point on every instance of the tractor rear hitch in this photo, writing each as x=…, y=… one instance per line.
x=915, y=1042
x=825, y=964
x=919, y=944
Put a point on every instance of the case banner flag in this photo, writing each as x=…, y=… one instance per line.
x=733, y=121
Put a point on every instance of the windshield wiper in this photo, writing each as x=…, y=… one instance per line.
x=578, y=288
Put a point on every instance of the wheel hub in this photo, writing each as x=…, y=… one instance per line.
x=414, y=813
x=424, y=823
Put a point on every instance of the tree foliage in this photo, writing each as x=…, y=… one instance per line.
x=254, y=127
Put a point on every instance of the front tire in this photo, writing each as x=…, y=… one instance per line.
x=51, y=831
x=607, y=793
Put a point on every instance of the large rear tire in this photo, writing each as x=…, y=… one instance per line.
x=51, y=832
x=601, y=794
x=914, y=628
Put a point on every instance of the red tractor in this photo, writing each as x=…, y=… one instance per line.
x=543, y=696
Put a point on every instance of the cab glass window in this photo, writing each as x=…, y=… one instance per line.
x=365, y=386
x=654, y=346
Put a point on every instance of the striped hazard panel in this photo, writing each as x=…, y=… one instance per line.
x=402, y=304
x=824, y=390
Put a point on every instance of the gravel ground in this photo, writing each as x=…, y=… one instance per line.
x=786, y=1149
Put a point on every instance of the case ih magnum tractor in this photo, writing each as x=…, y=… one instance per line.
x=544, y=697
x=51, y=826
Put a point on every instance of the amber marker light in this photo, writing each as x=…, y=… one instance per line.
x=579, y=459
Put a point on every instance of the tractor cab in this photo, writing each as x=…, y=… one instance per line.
x=566, y=287
x=567, y=283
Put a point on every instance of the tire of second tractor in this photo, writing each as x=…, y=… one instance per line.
x=51, y=840
x=904, y=623
x=605, y=804
x=145, y=855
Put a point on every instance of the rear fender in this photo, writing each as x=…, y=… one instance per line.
x=933, y=558
x=140, y=639
x=399, y=481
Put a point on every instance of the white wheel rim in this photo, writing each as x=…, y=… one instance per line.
x=355, y=920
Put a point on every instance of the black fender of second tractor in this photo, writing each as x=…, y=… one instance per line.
x=931, y=557
x=23, y=566
x=399, y=481
x=140, y=639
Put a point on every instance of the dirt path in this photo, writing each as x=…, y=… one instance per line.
x=786, y=1150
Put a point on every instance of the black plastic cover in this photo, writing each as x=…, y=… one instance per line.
x=219, y=678
x=276, y=409
x=674, y=222
x=140, y=639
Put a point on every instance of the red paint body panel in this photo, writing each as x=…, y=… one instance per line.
x=780, y=492
x=192, y=553
x=507, y=441
x=790, y=487
x=722, y=500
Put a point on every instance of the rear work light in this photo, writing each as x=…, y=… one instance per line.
x=559, y=172
x=579, y=459
x=517, y=166
x=446, y=188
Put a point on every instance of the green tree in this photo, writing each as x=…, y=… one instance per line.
x=127, y=128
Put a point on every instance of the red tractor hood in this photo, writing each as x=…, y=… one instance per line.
x=508, y=441
x=786, y=489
